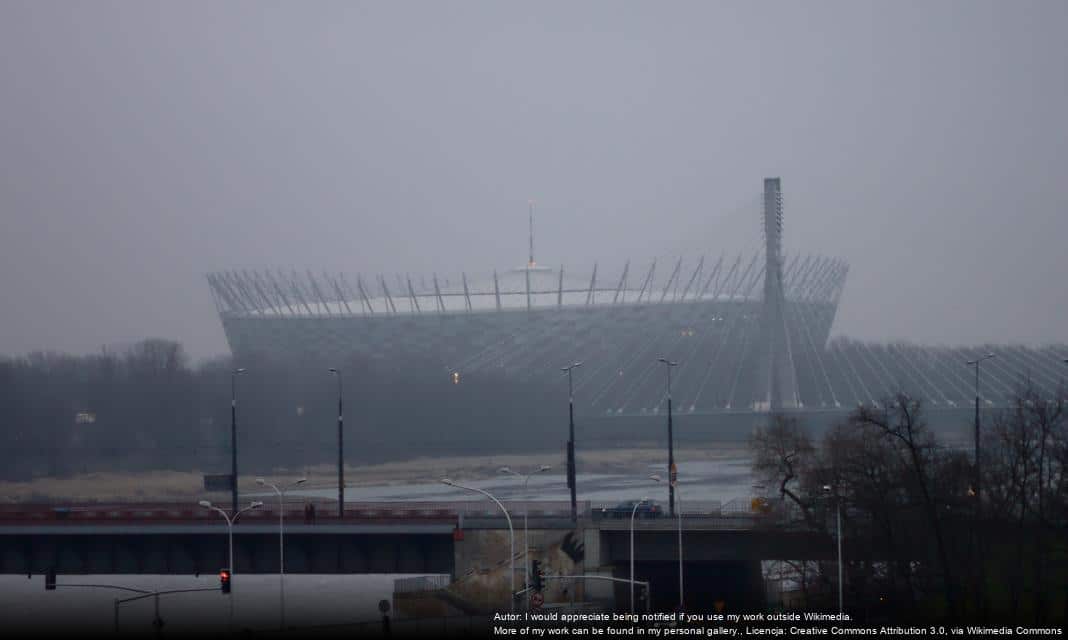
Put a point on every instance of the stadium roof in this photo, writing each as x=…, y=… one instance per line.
x=302, y=295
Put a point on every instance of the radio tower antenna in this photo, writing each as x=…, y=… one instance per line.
x=530, y=262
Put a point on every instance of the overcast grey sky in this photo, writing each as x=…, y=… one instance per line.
x=143, y=144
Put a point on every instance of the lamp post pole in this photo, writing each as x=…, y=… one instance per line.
x=979, y=594
x=679, y=518
x=230, y=536
x=838, y=528
x=632, y=512
x=233, y=438
x=671, y=444
x=571, y=480
x=340, y=448
x=281, y=544
x=511, y=535
x=977, y=460
x=230, y=525
x=526, y=510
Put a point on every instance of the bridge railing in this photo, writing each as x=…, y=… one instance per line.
x=308, y=513
x=735, y=508
x=421, y=584
x=317, y=512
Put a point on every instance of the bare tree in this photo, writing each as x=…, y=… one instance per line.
x=901, y=422
x=781, y=453
x=1027, y=468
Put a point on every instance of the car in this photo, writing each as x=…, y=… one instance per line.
x=624, y=509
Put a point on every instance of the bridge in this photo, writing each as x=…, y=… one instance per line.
x=468, y=541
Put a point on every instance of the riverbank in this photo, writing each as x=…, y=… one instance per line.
x=176, y=486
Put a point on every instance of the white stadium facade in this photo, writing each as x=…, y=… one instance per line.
x=751, y=333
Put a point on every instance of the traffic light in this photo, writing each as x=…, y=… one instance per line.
x=50, y=579
x=535, y=568
x=224, y=580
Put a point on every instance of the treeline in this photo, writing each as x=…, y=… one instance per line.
x=925, y=536
x=147, y=407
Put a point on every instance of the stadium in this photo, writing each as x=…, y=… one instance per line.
x=750, y=333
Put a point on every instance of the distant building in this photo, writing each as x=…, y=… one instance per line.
x=750, y=332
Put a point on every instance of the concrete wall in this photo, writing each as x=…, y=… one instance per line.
x=255, y=553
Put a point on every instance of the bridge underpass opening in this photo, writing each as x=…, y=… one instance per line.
x=738, y=584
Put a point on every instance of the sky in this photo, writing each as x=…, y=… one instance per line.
x=143, y=145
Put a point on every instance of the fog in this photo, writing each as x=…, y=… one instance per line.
x=142, y=145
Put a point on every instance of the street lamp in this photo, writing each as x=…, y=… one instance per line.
x=230, y=524
x=511, y=533
x=340, y=449
x=571, y=483
x=672, y=472
x=977, y=463
x=838, y=518
x=230, y=532
x=233, y=438
x=281, y=542
x=977, y=511
x=657, y=478
x=526, y=508
x=632, y=512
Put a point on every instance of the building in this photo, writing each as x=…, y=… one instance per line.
x=750, y=332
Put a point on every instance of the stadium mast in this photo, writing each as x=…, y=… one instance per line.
x=778, y=377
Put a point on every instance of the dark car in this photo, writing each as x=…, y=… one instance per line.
x=624, y=510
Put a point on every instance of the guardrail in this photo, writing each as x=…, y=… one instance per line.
x=317, y=512
x=708, y=523
x=421, y=584
x=690, y=509
x=310, y=513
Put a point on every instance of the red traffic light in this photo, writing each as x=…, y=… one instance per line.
x=224, y=580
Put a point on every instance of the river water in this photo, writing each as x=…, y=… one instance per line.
x=699, y=480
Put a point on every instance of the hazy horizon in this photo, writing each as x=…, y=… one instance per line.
x=144, y=145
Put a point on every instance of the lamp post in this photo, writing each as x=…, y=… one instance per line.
x=981, y=600
x=977, y=462
x=340, y=448
x=230, y=544
x=233, y=438
x=571, y=483
x=511, y=534
x=230, y=525
x=838, y=527
x=526, y=509
x=632, y=512
x=671, y=445
x=657, y=478
x=281, y=543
